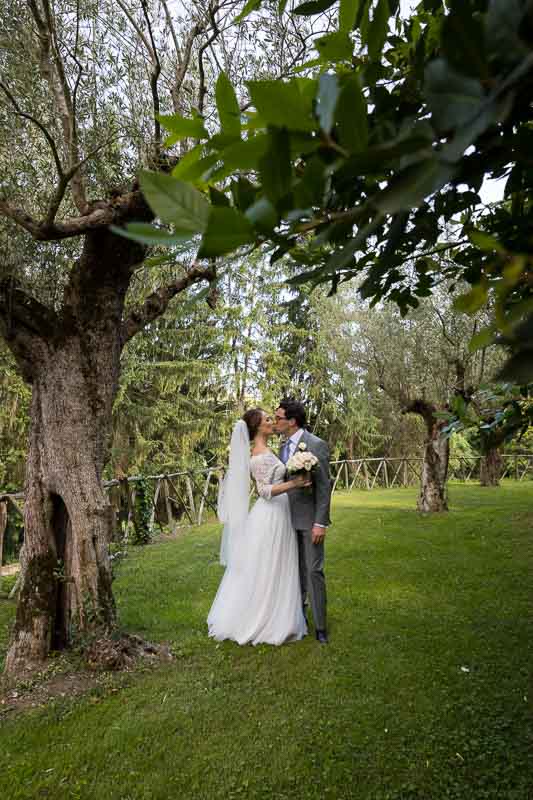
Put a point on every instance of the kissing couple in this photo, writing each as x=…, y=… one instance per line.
x=273, y=553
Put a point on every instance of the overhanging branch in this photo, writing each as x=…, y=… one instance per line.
x=20, y=312
x=101, y=214
x=157, y=303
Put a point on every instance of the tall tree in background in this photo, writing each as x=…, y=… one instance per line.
x=423, y=363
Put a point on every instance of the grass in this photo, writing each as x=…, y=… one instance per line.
x=423, y=693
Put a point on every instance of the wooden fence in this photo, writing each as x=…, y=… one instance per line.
x=386, y=473
x=182, y=499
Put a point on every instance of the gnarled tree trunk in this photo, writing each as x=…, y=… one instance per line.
x=72, y=361
x=491, y=467
x=433, y=484
x=73, y=366
x=433, y=495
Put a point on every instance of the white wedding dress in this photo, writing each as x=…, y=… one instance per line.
x=259, y=598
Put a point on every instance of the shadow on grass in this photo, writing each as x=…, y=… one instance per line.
x=423, y=693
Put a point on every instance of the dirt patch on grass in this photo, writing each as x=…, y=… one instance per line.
x=107, y=667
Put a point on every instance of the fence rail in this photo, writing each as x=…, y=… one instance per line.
x=185, y=498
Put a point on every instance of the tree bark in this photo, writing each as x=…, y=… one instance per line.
x=3, y=526
x=72, y=361
x=66, y=580
x=433, y=495
x=491, y=467
x=65, y=587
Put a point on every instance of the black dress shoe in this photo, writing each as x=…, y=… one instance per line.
x=322, y=637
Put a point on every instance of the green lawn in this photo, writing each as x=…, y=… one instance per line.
x=423, y=694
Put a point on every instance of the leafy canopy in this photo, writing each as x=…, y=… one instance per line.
x=368, y=160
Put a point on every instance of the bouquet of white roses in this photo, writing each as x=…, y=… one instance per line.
x=302, y=461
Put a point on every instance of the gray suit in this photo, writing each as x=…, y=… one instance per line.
x=307, y=507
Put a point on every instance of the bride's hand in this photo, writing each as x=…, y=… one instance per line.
x=301, y=481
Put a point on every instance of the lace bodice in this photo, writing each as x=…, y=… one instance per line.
x=267, y=470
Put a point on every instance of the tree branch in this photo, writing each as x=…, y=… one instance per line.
x=443, y=324
x=53, y=70
x=172, y=29
x=184, y=62
x=154, y=77
x=20, y=308
x=101, y=214
x=422, y=408
x=202, y=91
x=36, y=122
x=137, y=29
x=157, y=303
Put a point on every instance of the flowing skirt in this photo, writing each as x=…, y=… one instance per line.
x=259, y=598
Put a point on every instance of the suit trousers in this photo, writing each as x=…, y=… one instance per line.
x=312, y=578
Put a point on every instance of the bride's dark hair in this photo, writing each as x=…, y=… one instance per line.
x=253, y=418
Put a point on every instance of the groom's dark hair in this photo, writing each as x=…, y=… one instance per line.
x=294, y=410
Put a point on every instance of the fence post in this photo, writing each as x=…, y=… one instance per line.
x=204, y=496
x=3, y=527
x=168, y=507
x=190, y=493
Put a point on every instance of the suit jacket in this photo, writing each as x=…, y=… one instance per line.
x=310, y=506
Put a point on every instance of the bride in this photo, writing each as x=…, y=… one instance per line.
x=259, y=597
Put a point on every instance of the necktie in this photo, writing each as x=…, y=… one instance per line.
x=285, y=450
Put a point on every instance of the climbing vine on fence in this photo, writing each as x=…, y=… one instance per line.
x=142, y=528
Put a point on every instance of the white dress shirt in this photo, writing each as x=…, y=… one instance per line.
x=294, y=441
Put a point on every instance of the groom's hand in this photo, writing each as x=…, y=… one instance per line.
x=317, y=534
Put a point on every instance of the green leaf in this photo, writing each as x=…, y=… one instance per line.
x=453, y=99
x=473, y=300
x=335, y=46
x=250, y=6
x=328, y=94
x=307, y=65
x=227, y=229
x=246, y=153
x=282, y=104
x=228, y=107
x=341, y=258
x=463, y=42
x=192, y=167
x=275, y=166
x=144, y=233
x=504, y=18
x=281, y=6
x=484, y=338
x=518, y=368
x=485, y=242
x=313, y=7
x=244, y=193
x=315, y=275
x=378, y=30
x=410, y=188
x=263, y=215
x=347, y=13
x=217, y=197
x=309, y=190
x=175, y=202
x=182, y=128
x=352, y=116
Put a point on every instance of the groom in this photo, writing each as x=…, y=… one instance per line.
x=309, y=509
